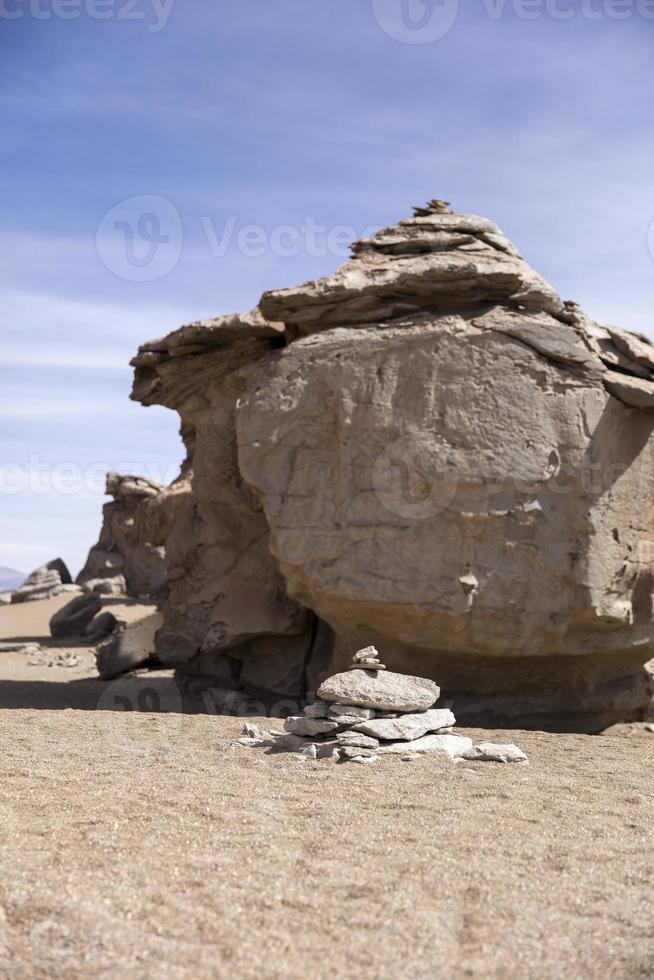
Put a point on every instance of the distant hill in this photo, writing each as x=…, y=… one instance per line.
x=10, y=579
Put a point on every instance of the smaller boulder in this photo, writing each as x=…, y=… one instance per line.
x=103, y=624
x=129, y=647
x=75, y=616
x=44, y=582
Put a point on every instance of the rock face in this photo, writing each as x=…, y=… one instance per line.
x=428, y=449
x=130, y=553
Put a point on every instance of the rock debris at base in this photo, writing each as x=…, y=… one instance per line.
x=349, y=722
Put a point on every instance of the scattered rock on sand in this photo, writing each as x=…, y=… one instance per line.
x=492, y=752
x=130, y=647
x=73, y=618
x=103, y=624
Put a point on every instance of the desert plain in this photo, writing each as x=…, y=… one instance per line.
x=139, y=839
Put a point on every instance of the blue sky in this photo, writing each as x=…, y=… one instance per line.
x=273, y=114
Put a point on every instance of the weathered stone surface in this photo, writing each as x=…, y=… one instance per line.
x=385, y=690
x=130, y=647
x=494, y=752
x=452, y=746
x=408, y=726
x=357, y=739
x=115, y=586
x=103, y=624
x=130, y=550
x=43, y=583
x=75, y=616
x=428, y=450
x=301, y=725
x=354, y=754
x=350, y=712
x=319, y=709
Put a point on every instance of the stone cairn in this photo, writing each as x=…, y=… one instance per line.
x=367, y=711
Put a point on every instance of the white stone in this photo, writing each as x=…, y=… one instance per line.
x=301, y=725
x=384, y=690
x=408, y=727
x=252, y=730
x=451, y=746
x=493, y=752
x=250, y=743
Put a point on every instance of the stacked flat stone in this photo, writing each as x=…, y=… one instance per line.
x=368, y=710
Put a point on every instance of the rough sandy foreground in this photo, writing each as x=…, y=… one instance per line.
x=140, y=844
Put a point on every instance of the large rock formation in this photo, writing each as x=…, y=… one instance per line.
x=130, y=553
x=428, y=450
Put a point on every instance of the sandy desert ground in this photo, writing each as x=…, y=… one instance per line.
x=137, y=843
